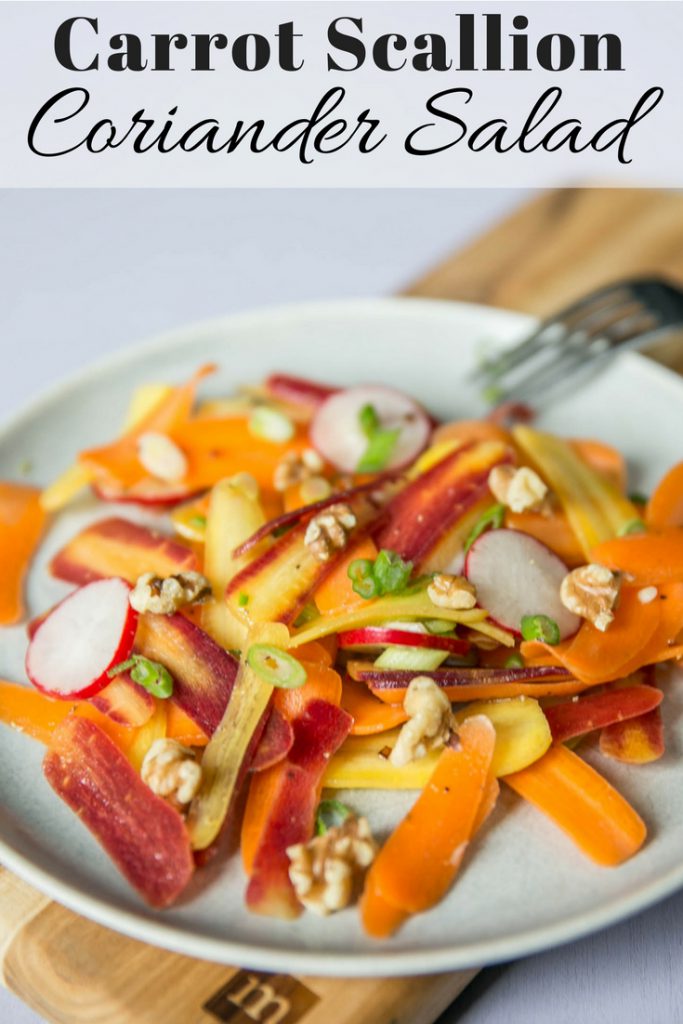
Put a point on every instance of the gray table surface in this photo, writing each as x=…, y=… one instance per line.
x=85, y=273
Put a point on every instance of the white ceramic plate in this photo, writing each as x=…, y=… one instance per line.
x=526, y=887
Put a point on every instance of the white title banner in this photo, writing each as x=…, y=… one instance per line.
x=332, y=94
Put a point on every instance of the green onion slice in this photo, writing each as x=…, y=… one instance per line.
x=633, y=526
x=515, y=661
x=330, y=814
x=276, y=667
x=540, y=627
x=391, y=572
x=381, y=442
x=360, y=572
x=271, y=425
x=150, y=675
x=492, y=519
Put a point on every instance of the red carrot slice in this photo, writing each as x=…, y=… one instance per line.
x=576, y=718
x=143, y=835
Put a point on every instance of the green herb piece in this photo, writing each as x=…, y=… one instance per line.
x=307, y=614
x=637, y=498
x=243, y=600
x=330, y=814
x=634, y=526
x=492, y=394
x=391, y=572
x=492, y=519
x=438, y=627
x=150, y=675
x=123, y=666
x=276, y=667
x=540, y=627
x=379, y=451
x=381, y=442
x=515, y=661
x=198, y=521
x=369, y=420
x=280, y=531
x=388, y=574
x=360, y=572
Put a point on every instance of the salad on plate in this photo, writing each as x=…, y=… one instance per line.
x=341, y=594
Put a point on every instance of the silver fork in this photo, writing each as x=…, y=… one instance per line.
x=578, y=340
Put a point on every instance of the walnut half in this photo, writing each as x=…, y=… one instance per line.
x=171, y=771
x=328, y=532
x=591, y=591
x=520, y=490
x=164, y=595
x=325, y=872
x=446, y=591
x=429, y=724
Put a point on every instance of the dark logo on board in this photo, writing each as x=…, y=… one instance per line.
x=262, y=998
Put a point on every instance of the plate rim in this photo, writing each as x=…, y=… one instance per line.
x=331, y=964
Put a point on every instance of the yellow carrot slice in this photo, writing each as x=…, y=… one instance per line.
x=154, y=729
x=522, y=731
x=594, y=506
x=522, y=737
x=583, y=804
x=384, y=609
x=227, y=753
x=234, y=514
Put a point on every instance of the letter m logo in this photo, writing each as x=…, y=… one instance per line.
x=253, y=998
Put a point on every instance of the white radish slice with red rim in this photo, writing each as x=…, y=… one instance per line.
x=338, y=435
x=515, y=575
x=378, y=637
x=80, y=640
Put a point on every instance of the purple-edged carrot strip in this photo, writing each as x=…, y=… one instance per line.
x=305, y=512
x=465, y=684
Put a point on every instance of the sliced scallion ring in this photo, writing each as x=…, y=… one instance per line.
x=276, y=667
x=540, y=627
x=271, y=424
x=330, y=814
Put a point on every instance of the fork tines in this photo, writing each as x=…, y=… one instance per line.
x=579, y=339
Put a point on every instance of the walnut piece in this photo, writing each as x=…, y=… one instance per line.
x=591, y=591
x=328, y=532
x=171, y=771
x=520, y=490
x=165, y=595
x=325, y=872
x=429, y=724
x=296, y=467
x=448, y=591
x=161, y=457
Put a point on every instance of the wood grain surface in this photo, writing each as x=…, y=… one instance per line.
x=561, y=246
x=72, y=971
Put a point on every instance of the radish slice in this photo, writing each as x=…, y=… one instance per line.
x=383, y=636
x=152, y=493
x=516, y=575
x=337, y=434
x=88, y=633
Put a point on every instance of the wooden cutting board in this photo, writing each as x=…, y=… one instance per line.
x=550, y=251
